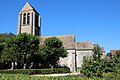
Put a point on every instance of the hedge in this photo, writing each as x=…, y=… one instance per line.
x=36, y=71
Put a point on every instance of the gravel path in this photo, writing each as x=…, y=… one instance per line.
x=56, y=75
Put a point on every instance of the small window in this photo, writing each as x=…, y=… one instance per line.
x=28, y=18
x=24, y=18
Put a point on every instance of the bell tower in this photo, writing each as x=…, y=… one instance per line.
x=29, y=21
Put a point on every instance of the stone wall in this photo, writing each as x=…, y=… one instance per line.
x=74, y=61
x=80, y=54
x=69, y=61
x=26, y=29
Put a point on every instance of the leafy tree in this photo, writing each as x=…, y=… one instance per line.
x=27, y=45
x=42, y=56
x=97, y=52
x=19, y=48
x=52, y=50
x=1, y=48
x=116, y=60
x=95, y=65
x=9, y=53
x=116, y=57
x=3, y=38
x=112, y=63
x=38, y=59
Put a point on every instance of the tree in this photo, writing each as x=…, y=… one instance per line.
x=52, y=50
x=19, y=48
x=95, y=65
x=38, y=59
x=9, y=53
x=3, y=38
x=97, y=52
x=1, y=48
x=27, y=45
x=116, y=59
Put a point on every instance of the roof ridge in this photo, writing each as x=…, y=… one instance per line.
x=84, y=42
x=59, y=35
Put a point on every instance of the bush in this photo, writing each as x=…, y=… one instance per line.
x=35, y=71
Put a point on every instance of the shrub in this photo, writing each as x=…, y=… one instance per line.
x=35, y=71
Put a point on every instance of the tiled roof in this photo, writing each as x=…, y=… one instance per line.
x=113, y=51
x=84, y=45
x=68, y=40
x=102, y=49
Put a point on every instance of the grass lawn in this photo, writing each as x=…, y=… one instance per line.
x=29, y=77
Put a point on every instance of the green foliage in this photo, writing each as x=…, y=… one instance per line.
x=116, y=61
x=19, y=48
x=24, y=50
x=9, y=53
x=3, y=38
x=1, y=48
x=28, y=77
x=53, y=42
x=56, y=47
x=52, y=50
x=113, y=63
x=107, y=76
x=27, y=45
x=98, y=67
x=97, y=52
x=93, y=66
x=35, y=71
x=116, y=57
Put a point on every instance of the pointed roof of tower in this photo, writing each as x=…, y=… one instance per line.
x=27, y=7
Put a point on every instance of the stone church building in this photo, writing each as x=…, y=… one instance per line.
x=29, y=21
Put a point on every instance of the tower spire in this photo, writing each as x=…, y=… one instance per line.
x=29, y=20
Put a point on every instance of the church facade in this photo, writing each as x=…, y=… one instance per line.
x=29, y=21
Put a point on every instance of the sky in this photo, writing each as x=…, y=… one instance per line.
x=97, y=21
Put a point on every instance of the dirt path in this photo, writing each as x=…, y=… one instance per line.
x=56, y=75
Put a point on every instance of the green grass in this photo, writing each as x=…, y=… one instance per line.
x=29, y=77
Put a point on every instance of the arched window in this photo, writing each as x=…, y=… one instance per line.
x=28, y=18
x=24, y=18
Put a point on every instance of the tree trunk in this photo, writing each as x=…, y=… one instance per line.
x=51, y=66
x=16, y=65
x=24, y=67
x=31, y=65
x=12, y=65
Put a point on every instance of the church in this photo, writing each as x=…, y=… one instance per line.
x=29, y=21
